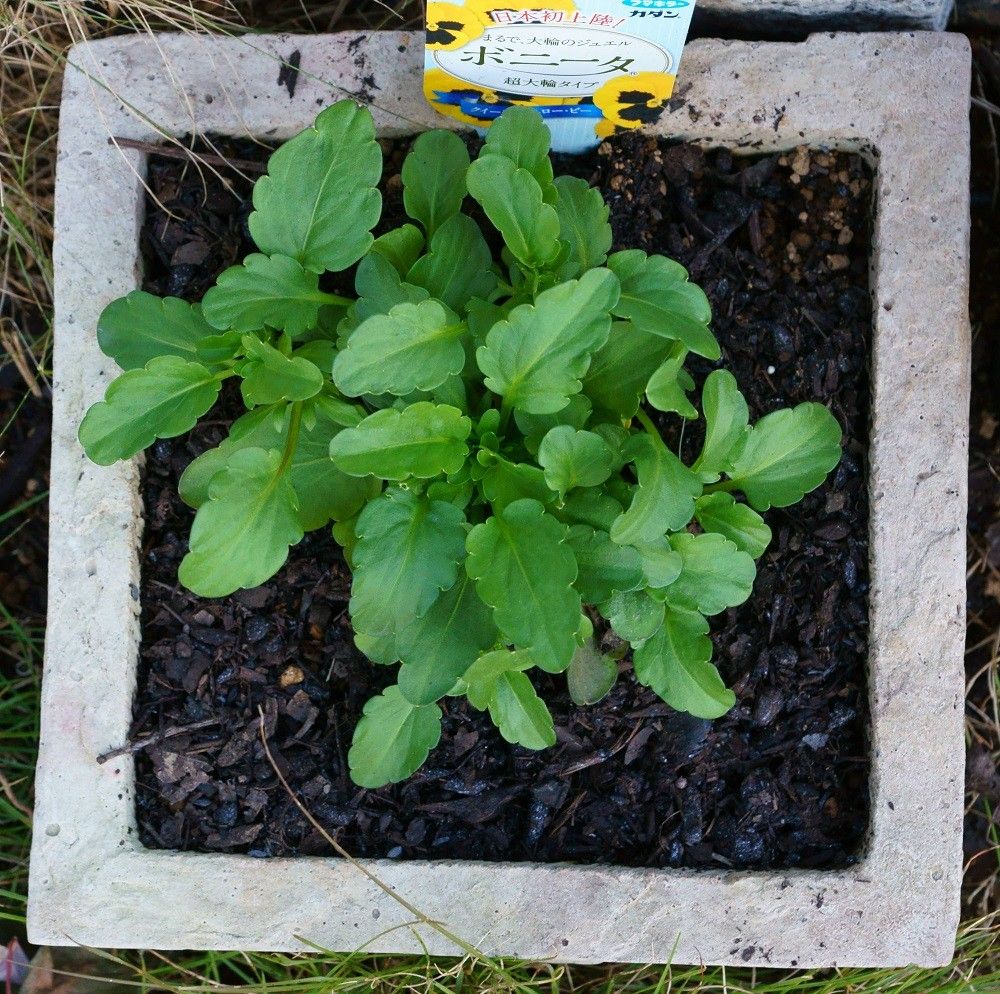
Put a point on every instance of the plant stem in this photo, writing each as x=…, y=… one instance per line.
x=505, y=412
x=292, y=438
x=723, y=486
x=334, y=298
x=644, y=419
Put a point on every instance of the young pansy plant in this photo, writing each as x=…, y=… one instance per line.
x=473, y=428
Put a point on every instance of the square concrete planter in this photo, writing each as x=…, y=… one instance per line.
x=902, y=101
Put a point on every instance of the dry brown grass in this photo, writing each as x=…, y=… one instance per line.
x=34, y=39
x=35, y=36
x=982, y=876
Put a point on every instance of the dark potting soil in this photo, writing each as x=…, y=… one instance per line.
x=780, y=244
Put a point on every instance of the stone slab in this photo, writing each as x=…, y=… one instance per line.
x=756, y=17
x=902, y=101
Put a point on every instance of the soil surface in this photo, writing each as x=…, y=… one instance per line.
x=780, y=244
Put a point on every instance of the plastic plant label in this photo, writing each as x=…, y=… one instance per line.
x=591, y=67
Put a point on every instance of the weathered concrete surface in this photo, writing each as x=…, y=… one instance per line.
x=754, y=17
x=903, y=100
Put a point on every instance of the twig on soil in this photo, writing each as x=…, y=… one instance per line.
x=723, y=235
x=173, y=152
x=601, y=756
x=137, y=745
x=438, y=927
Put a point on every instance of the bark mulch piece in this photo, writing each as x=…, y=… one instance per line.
x=780, y=244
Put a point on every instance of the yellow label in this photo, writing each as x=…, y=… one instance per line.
x=590, y=67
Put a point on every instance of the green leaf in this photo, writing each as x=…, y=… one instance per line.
x=619, y=488
x=439, y=647
x=459, y=493
x=535, y=358
x=621, y=368
x=434, y=179
x=726, y=418
x=319, y=199
x=241, y=534
x=392, y=739
x=341, y=412
x=615, y=436
x=744, y=527
x=323, y=491
x=400, y=246
x=379, y=649
x=138, y=327
x=604, y=567
x=714, y=575
x=512, y=200
x=262, y=428
x=573, y=458
x=519, y=713
x=657, y=297
x=664, y=499
x=534, y=427
x=452, y=392
x=482, y=315
x=676, y=663
x=496, y=681
x=524, y=570
x=583, y=225
x=589, y=507
x=459, y=265
x=421, y=440
x=521, y=136
x=345, y=536
x=661, y=565
x=216, y=350
x=505, y=482
x=162, y=400
x=787, y=454
x=266, y=291
x=320, y=352
x=270, y=376
x=633, y=614
x=413, y=347
x=591, y=675
x=480, y=679
x=666, y=389
x=409, y=549
x=380, y=288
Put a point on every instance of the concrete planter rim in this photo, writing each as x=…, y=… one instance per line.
x=837, y=15
x=901, y=99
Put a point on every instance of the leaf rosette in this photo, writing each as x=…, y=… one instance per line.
x=481, y=429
